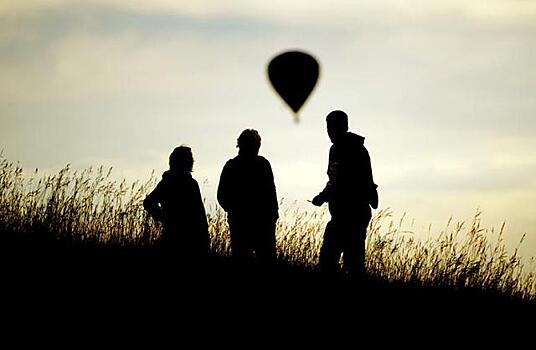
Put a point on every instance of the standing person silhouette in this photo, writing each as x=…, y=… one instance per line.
x=176, y=202
x=350, y=193
x=247, y=193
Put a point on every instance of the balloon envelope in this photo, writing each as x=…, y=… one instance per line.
x=293, y=75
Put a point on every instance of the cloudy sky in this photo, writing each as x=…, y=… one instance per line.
x=443, y=91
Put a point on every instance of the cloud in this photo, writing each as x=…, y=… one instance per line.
x=436, y=72
x=92, y=66
x=87, y=53
x=456, y=162
x=88, y=66
x=297, y=9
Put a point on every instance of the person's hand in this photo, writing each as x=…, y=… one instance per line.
x=317, y=201
x=374, y=198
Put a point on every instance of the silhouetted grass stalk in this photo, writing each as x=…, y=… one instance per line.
x=89, y=206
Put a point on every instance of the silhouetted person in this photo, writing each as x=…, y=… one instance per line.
x=176, y=202
x=350, y=193
x=247, y=193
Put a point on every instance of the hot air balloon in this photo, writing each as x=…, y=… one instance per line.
x=293, y=75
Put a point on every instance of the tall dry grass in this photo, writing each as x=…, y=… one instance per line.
x=91, y=206
x=462, y=255
x=86, y=205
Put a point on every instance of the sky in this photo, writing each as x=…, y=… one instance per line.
x=443, y=91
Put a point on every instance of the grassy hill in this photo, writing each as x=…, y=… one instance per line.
x=80, y=236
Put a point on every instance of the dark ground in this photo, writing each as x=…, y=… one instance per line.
x=45, y=279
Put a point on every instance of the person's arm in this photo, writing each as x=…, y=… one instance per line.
x=325, y=194
x=274, y=206
x=372, y=192
x=224, y=195
x=202, y=216
x=152, y=203
x=201, y=207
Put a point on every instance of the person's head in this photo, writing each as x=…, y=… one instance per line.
x=249, y=142
x=181, y=159
x=337, y=123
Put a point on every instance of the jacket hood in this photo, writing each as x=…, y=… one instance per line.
x=355, y=138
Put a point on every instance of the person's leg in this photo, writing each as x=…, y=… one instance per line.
x=330, y=251
x=355, y=231
x=239, y=244
x=195, y=250
x=265, y=245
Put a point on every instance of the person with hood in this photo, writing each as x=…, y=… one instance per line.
x=247, y=193
x=350, y=193
x=176, y=202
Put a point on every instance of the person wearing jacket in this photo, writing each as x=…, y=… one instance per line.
x=350, y=193
x=176, y=202
x=247, y=193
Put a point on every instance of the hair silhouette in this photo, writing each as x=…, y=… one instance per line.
x=249, y=142
x=181, y=159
